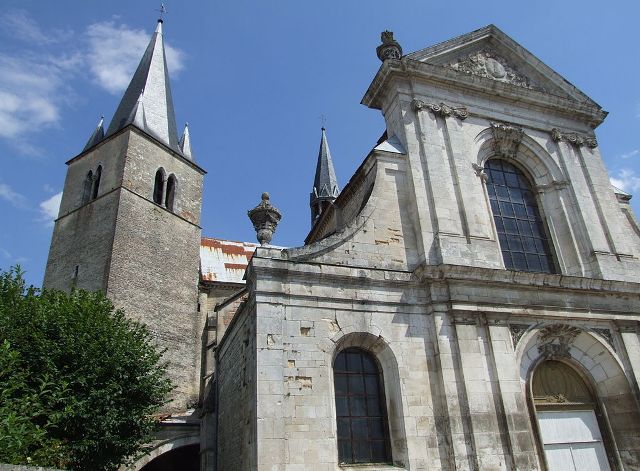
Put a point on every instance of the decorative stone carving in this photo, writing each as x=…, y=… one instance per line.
x=265, y=219
x=443, y=110
x=517, y=331
x=556, y=339
x=506, y=139
x=390, y=48
x=480, y=172
x=576, y=139
x=606, y=334
x=487, y=63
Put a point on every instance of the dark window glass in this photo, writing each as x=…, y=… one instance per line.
x=88, y=185
x=158, y=187
x=520, y=228
x=363, y=435
x=171, y=191
x=96, y=183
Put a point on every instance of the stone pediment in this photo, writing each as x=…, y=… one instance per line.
x=488, y=63
x=490, y=53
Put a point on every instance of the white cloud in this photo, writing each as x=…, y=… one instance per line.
x=13, y=197
x=630, y=154
x=115, y=51
x=28, y=91
x=20, y=25
x=49, y=208
x=36, y=81
x=626, y=180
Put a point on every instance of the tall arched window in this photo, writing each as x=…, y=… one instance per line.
x=171, y=190
x=158, y=187
x=96, y=182
x=521, y=232
x=88, y=185
x=363, y=430
x=567, y=419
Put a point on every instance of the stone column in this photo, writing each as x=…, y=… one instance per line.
x=513, y=403
x=477, y=377
x=453, y=394
x=592, y=234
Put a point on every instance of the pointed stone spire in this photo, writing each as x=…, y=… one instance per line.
x=137, y=114
x=96, y=136
x=156, y=103
x=325, y=185
x=185, y=143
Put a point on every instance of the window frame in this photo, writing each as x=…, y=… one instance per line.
x=386, y=453
x=544, y=238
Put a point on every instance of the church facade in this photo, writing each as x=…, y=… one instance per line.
x=468, y=301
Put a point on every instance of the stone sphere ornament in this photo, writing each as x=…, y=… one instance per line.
x=265, y=219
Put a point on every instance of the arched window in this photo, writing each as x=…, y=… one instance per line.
x=521, y=232
x=567, y=421
x=96, y=182
x=158, y=187
x=88, y=185
x=363, y=430
x=171, y=190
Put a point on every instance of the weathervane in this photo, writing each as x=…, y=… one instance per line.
x=162, y=10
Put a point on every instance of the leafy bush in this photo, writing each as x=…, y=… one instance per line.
x=78, y=380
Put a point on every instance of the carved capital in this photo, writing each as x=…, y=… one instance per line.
x=443, y=110
x=576, y=139
x=506, y=139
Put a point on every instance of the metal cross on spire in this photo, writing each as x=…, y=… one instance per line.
x=323, y=120
x=162, y=10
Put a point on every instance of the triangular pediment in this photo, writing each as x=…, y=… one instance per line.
x=491, y=54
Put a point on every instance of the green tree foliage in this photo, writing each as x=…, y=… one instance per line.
x=78, y=381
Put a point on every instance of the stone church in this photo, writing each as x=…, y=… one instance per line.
x=468, y=301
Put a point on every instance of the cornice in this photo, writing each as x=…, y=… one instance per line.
x=411, y=69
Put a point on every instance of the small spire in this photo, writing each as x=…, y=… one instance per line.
x=185, y=143
x=137, y=115
x=152, y=77
x=159, y=26
x=96, y=136
x=325, y=185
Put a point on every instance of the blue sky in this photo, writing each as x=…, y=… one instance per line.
x=252, y=79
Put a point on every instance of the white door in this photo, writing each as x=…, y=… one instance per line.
x=572, y=441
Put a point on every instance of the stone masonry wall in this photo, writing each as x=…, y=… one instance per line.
x=447, y=340
x=236, y=382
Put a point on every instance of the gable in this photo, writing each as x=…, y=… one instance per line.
x=491, y=54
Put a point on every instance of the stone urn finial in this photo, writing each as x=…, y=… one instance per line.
x=390, y=48
x=265, y=218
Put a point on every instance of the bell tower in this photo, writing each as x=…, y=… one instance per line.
x=129, y=220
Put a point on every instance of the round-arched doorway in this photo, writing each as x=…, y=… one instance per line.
x=184, y=458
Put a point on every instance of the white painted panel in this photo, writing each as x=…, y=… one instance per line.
x=589, y=457
x=568, y=426
x=559, y=458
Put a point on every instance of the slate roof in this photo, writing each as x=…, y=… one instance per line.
x=147, y=102
x=325, y=184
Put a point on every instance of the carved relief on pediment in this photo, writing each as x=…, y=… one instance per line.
x=486, y=63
